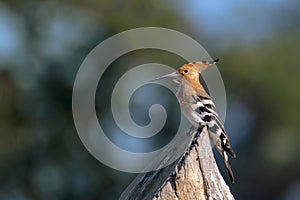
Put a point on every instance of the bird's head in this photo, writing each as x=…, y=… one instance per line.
x=190, y=71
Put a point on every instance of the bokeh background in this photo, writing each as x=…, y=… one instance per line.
x=42, y=44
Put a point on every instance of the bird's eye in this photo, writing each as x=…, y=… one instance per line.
x=186, y=71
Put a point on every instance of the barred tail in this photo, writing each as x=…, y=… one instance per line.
x=226, y=145
x=228, y=166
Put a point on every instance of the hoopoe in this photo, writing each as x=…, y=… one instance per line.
x=199, y=108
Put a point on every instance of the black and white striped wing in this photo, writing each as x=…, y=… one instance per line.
x=207, y=111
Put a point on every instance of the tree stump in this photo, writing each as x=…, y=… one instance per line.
x=195, y=175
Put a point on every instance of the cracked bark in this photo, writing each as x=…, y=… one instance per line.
x=195, y=175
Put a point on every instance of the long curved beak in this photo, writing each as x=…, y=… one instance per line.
x=173, y=74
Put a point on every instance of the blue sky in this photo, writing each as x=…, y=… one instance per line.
x=228, y=20
x=220, y=20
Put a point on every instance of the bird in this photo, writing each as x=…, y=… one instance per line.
x=198, y=107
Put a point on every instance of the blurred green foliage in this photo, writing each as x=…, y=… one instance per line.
x=41, y=155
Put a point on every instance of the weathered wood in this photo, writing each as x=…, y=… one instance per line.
x=195, y=175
